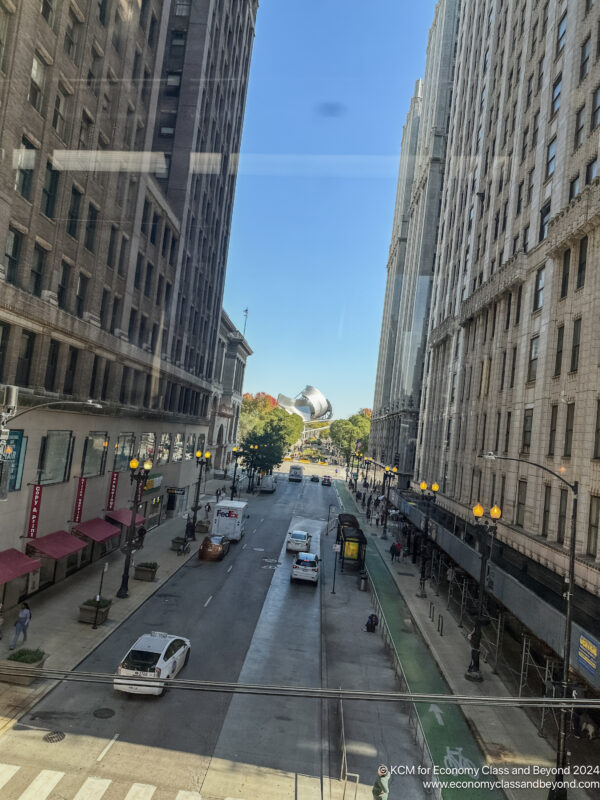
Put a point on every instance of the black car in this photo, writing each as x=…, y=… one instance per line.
x=314, y=478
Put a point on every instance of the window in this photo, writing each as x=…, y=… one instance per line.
x=582, y=262
x=518, y=308
x=564, y=281
x=573, y=187
x=168, y=120
x=50, y=190
x=552, y=431
x=104, y=304
x=527, y=427
x=152, y=31
x=145, y=218
x=569, y=429
x=546, y=510
x=533, y=358
x=148, y=281
x=74, y=211
x=154, y=228
x=47, y=11
x=591, y=171
x=521, y=500
x=147, y=446
x=579, y=127
x=182, y=8
x=36, y=273
x=519, y=199
x=81, y=295
x=595, y=121
x=25, y=358
x=95, y=450
x=575, y=345
x=56, y=452
x=177, y=44
x=508, y=307
x=164, y=448
x=584, y=61
x=507, y=431
x=560, y=338
x=503, y=370
x=562, y=516
x=114, y=317
x=12, y=254
x=544, y=221
x=71, y=35
x=60, y=114
x=139, y=266
x=538, y=290
x=37, y=82
x=51, y=365
x=122, y=255
x=556, y=90
x=163, y=166
x=117, y=36
x=561, y=33
x=132, y=324
x=592, y=536
x=24, y=161
x=124, y=451
x=540, y=76
x=526, y=238
x=69, y=383
x=90, y=228
x=112, y=246
x=64, y=283
x=513, y=368
x=173, y=84
x=141, y=339
x=530, y=185
x=597, y=431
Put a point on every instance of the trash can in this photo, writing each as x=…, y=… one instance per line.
x=363, y=582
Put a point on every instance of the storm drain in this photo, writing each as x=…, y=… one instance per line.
x=54, y=736
x=104, y=713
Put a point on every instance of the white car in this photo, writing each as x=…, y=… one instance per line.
x=298, y=542
x=154, y=655
x=305, y=568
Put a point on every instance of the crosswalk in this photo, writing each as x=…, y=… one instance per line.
x=43, y=785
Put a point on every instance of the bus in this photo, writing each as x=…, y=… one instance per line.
x=295, y=473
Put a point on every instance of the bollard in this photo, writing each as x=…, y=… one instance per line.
x=431, y=610
x=363, y=582
x=440, y=625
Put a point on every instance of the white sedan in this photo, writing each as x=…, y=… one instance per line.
x=298, y=542
x=154, y=655
x=305, y=568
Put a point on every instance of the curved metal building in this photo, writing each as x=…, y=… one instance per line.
x=310, y=404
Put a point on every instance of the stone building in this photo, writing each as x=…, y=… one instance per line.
x=120, y=128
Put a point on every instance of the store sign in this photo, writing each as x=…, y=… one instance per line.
x=587, y=654
x=153, y=482
x=112, y=491
x=34, y=513
x=175, y=490
x=15, y=456
x=79, y=498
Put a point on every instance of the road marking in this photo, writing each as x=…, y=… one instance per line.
x=259, y=549
x=108, y=746
x=42, y=785
x=230, y=568
x=208, y=601
x=93, y=789
x=140, y=791
x=243, y=547
x=254, y=531
x=6, y=773
x=183, y=795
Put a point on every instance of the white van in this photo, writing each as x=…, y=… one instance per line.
x=229, y=518
x=268, y=483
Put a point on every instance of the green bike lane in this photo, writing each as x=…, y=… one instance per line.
x=449, y=738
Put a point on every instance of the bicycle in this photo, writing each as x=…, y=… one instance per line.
x=184, y=547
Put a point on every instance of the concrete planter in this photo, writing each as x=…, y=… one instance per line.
x=20, y=680
x=145, y=573
x=87, y=614
x=177, y=541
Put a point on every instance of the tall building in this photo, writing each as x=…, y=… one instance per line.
x=120, y=129
x=412, y=251
x=512, y=356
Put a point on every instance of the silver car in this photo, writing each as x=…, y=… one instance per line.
x=298, y=542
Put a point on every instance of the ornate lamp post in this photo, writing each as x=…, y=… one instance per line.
x=429, y=499
x=236, y=454
x=253, y=448
x=138, y=476
x=485, y=529
x=202, y=459
x=368, y=462
x=387, y=475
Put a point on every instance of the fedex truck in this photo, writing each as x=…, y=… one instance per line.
x=229, y=519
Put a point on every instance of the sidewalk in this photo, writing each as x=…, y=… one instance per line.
x=505, y=734
x=54, y=622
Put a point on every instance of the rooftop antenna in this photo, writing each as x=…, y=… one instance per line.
x=245, y=321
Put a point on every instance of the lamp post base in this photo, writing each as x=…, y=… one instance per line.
x=476, y=677
x=421, y=592
x=384, y=535
x=122, y=593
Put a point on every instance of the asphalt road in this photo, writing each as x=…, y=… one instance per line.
x=246, y=622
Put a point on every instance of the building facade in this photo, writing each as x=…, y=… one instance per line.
x=121, y=127
x=512, y=353
x=412, y=252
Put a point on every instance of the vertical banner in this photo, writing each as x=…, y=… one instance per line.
x=112, y=491
x=79, y=497
x=34, y=514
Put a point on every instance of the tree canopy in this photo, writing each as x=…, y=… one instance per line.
x=270, y=427
x=345, y=433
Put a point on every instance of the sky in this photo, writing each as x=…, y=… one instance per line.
x=330, y=86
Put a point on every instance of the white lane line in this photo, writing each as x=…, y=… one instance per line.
x=42, y=785
x=108, y=746
x=140, y=791
x=263, y=519
x=93, y=789
x=208, y=601
x=183, y=795
x=6, y=773
x=254, y=531
x=230, y=568
x=243, y=547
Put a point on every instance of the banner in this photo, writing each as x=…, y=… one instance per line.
x=112, y=491
x=79, y=497
x=34, y=514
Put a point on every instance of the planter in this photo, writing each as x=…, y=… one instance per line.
x=177, y=541
x=20, y=680
x=87, y=612
x=145, y=573
x=202, y=526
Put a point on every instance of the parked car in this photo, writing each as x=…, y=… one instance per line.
x=326, y=481
x=298, y=541
x=153, y=655
x=305, y=568
x=214, y=548
x=314, y=478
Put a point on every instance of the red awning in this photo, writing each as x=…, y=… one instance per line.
x=123, y=517
x=13, y=564
x=98, y=529
x=57, y=545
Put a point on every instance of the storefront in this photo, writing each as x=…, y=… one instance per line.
x=19, y=576
x=103, y=536
x=153, y=501
x=59, y=553
x=177, y=500
x=122, y=517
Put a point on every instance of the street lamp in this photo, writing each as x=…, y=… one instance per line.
x=388, y=474
x=253, y=448
x=368, y=462
x=202, y=459
x=485, y=529
x=138, y=476
x=558, y=791
x=429, y=499
x=236, y=454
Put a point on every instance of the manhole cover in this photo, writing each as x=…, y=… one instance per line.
x=54, y=736
x=104, y=713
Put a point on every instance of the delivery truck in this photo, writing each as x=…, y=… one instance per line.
x=229, y=518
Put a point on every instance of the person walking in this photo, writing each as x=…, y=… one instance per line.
x=380, y=787
x=21, y=625
x=393, y=551
x=369, y=514
x=377, y=520
x=218, y=494
x=398, y=547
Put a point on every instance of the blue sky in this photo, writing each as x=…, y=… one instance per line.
x=330, y=85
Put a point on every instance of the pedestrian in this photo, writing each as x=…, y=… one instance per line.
x=189, y=529
x=398, y=548
x=393, y=551
x=207, y=510
x=372, y=623
x=376, y=503
x=21, y=625
x=370, y=500
x=368, y=514
x=377, y=520
x=218, y=494
x=380, y=787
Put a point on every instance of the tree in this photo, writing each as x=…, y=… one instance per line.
x=255, y=408
x=345, y=433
